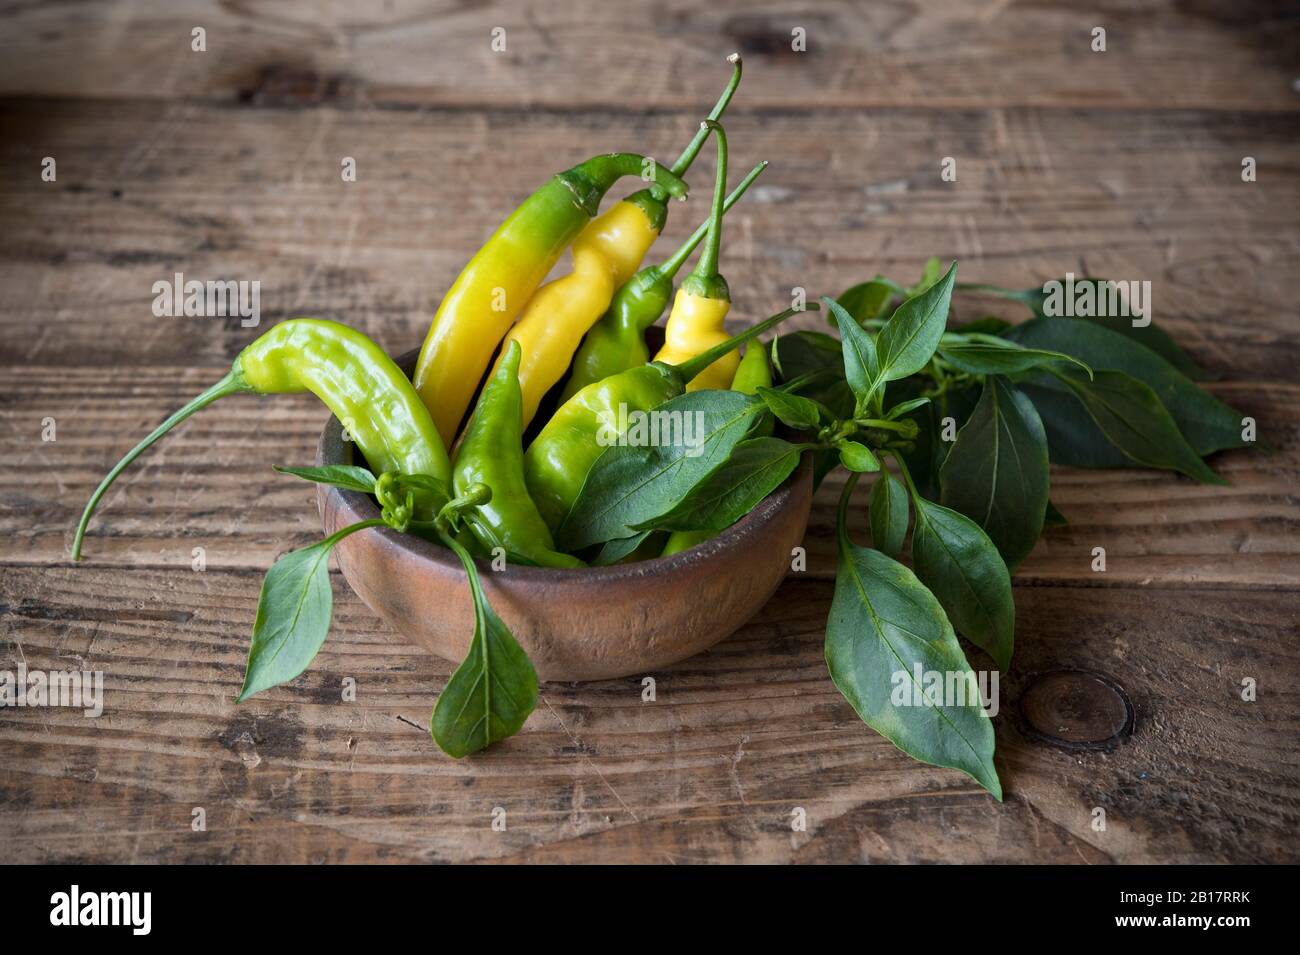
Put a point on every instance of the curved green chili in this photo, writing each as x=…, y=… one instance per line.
x=491, y=452
x=353, y=377
x=557, y=462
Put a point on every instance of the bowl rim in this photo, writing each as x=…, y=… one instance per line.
x=332, y=449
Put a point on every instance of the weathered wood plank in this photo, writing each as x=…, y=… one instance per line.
x=210, y=485
x=736, y=738
x=635, y=55
x=222, y=193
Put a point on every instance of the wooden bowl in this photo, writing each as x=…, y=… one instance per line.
x=592, y=623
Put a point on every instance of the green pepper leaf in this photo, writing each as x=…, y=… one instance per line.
x=755, y=469
x=997, y=472
x=867, y=301
x=293, y=614
x=796, y=412
x=493, y=690
x=1073, y=438
x=629, y=485
x=888, y=510
x=884, y=628
x=346, y=476
x=859, y=353
x=803, y=352
x=908, y=340
x=1208, y=424
x=960, y=565
x=1150, y=336
x=929, y=448
x=614, y=551
x=857, y=456
x=1131, y=416
x=989, y=355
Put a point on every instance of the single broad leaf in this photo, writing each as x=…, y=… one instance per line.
x=960, y=565
x=796, y=412
x=614, y=551
x=886, y=633
x=857, y=457
x=866, y=302
x=1149, y=335
x=1157, y=339
x=1073, y=438
x=799, y=353
x=495, y=687
x=1133, y=419
x=756, y=468
x=908, y=340
x=859, y=352
x=293, y=618
x=346, y=476
x=629, y=486
x=1207, y=423
x=988, y=355
x=1053, y=517
x=988, y=325
x=997, y=472
x=889, y=511
x=293, y=614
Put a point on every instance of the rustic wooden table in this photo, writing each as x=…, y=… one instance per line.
x=226, y=164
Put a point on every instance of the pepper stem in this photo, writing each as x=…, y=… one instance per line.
x=590, y=180
x=692, y=149
x=693, y=366
x=671, y=265
x=707, y=267
x=232, y=383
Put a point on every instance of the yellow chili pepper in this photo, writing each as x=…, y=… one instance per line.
x=492, y=289
x=605, y=255
x=701, y=305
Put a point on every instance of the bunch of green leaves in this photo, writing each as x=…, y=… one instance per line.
x=993, y=404
x=495, y=687
x=959, y=427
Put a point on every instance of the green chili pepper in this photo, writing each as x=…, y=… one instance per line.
x=557, y=462
x=617, y=342
x=491, y=452
x=753, y=373
x=493, y=288
x=353, y=376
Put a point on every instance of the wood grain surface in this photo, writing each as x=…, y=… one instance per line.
x=225, y=164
